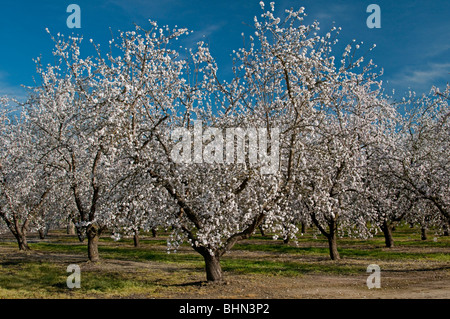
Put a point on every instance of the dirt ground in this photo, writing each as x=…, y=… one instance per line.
x=399, y=279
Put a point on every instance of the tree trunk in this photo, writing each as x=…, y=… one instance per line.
x=331, y=236
x=81, y=234
x=136, y=239
x=70, y=227
x=303, y=228
x=20, y=233
x=261, y=230
x=423, y=233
x=213, y=267
x=93, y=235
x=286, y=238
x=332, y=244
x=22, y=242
x=41, y=233
x=387, y=231
x=154, y=232
x=446, y=229
x=332, y=240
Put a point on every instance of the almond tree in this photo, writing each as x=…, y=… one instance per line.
x=209, y=203
x=384, y=200
x=276, y=87
x=421, y=162
x=405, y=174
x=335, y=157
x=74, y=122
x=25, y=185
x=387, y=202
x=328, y=112
x=285, y=80
x=137, y=206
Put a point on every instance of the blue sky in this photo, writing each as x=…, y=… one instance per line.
x=413, y=43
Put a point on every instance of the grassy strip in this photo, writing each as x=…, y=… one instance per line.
x=369, y=253
x=48, y=280
x=288, y=268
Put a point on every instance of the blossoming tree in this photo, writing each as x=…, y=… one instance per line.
x=25, y=184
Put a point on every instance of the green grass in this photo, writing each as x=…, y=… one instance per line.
x=259, y=256
x=372, y=248
x=122, y=251
x=290, y=268
x=48, y=280
x=373, y=253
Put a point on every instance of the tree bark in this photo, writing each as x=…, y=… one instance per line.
x=332, y=244
x=154, y=232
x=20, y=233
x=286, y=239
x=136, y=239
x=446, y=229
x=70, y=227
x=93, y=235
x=303, y=228
x=331, y=235
x=213, y=268
x=423, y=233
x=22, y=242
x=261, y=230
x=41, y=233
x=80, y=234
x=387, y=231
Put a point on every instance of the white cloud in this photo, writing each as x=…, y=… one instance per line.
x=422, y=78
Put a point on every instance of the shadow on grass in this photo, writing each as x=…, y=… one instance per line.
x=190, y=284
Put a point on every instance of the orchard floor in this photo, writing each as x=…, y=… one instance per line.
x=257, y=268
